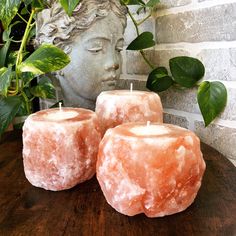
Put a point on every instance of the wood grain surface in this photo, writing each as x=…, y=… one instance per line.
x=83, y=210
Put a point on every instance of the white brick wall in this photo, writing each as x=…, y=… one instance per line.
x=205, y=29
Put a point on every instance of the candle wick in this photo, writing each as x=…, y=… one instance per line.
x=131, y=87
x=60, y=103
x=148, y=123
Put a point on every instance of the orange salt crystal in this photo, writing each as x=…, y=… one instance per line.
x=60, y=147
x=121, y=106
x=154, y=169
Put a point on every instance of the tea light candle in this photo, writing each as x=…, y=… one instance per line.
x=154, y=169
x=60, y=147
x=121, y=106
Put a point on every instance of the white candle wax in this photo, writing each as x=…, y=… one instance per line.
x=60, y=147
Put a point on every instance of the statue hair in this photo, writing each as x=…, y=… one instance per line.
x=56, y=27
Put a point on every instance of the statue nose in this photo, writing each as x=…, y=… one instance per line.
x=116, y=66
x=113, y=66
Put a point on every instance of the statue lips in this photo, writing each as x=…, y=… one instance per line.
x=110, y=80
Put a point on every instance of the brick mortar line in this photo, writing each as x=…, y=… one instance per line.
x=196, y=46
x=143, y=78
x=192, y=7
x=198, y=117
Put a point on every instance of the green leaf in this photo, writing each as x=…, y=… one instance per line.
x=8, y=10
x=27, y=77
x=186, y=71
x=44, y=89
x=47, y=58
x=69, y=5
x=36, y=4
x=11, y=60
x=144, y=40
x=158, y=80
x=133, y=2
x=212, y=98
x=152, y=3
x=9, y=106
x=5, y=80
x=3, y=53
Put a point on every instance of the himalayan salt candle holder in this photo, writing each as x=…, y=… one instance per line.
x=60, y=147
x=153, y=169
x=122, y=106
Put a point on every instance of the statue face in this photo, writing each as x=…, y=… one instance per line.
x=95, y=58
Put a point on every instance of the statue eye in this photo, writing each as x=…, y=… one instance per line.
x=95, y=49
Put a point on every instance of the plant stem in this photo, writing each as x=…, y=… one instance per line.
x=22, y=18
x=22, y=46
x=138, y=33
x=27, y=102
x=144, y=19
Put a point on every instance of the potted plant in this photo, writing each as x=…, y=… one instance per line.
x=19, y=67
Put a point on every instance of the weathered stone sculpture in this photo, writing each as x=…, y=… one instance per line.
x=93, y=38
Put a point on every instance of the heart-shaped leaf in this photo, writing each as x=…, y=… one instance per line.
x=144, y=40
x=152, y=3
x=212, y=98
x=69, y=5
x=9, y=106
x=5, y=80
x=46, y=58
x=8, y=10
x=44, y=89
x=186, y=71
x=158, y=80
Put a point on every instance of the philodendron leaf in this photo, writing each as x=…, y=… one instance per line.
x=47, y=58
x=158, y=80
x=44, y=89
x=69, y=5
x=8, y=10
x=5, y=80
x=9, y=106
x=212, y=98
x=3, y=53
x=186, y=71
x=133, y=2
x=144, y=40
x=152, y=3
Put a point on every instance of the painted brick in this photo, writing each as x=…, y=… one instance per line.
x=184, y=100
x=220, y=64
x=137, y=84
x=230, y=109
x=130, y=32
x=208, y=24
x=172, y=3
x=136, y=65
x=221, y=138
x=176, y=120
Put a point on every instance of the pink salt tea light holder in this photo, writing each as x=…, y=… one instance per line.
x=122, y=106
x=151, y=168
x=60, y=147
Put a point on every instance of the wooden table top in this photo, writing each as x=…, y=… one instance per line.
x=83, y=210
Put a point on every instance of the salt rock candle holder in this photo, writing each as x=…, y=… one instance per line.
x=60, y=147
x=122, y=106
x=154, y=169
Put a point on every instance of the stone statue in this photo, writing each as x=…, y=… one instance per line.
x=93, y=38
